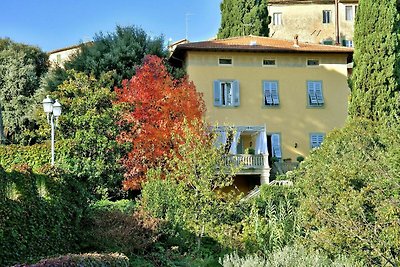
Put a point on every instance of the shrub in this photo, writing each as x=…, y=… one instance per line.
x=39, y=213
x=188, y=194
x=350, y=201
x=234, y=260
x=289, y=256
x=271, y=223
x=109, y=226
x=91, y=259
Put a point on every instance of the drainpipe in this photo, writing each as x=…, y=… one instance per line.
x=337, y=22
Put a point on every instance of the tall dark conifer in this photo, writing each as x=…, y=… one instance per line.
x=243, y=17
x=376, y=77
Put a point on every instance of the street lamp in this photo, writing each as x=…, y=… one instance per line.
x=53, y=111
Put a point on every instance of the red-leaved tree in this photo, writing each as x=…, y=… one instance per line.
x=156, y=107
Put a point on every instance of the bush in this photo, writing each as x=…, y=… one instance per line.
x=115, y=226
x=289, y=256
x=39, y=213
x=188, y=196
x=350, y=201
x=271, y=223
x=92, y=259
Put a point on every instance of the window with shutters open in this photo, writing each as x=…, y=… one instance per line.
x=276, y=145
x=316, y=139
x=226, y=93
x=314, y=93
x=270, y=92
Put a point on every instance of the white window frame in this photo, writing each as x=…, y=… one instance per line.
x=268, y=66
x=276, y=145
x=224, y=95
x=316, y=139
x=270, y=93
x=223, y=64
x=277, y=19
x=349, y=12
x=326, y=16
x=315, y=96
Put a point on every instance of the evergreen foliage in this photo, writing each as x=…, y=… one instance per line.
x=243, y=17
x=375, y=80
x=21, y=69
x=119, y=52
x=39, y=213
x=88, y=124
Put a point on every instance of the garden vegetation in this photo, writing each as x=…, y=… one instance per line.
x=343, y=210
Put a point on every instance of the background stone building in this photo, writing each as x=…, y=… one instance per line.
x=314, y=21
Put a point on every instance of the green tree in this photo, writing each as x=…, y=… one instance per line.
x=350, y=201
x=88, y=123
x=243, y=17
x=376, y=76
x=119, y=52
x=21, y=69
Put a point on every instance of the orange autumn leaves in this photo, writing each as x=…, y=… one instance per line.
x=155, y=108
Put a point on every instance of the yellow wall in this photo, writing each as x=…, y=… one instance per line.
x=293, y=119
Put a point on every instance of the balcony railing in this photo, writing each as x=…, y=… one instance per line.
x=246, y=161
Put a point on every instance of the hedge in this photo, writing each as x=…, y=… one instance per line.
x=39, y=213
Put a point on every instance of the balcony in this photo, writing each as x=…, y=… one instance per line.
x=248, y=162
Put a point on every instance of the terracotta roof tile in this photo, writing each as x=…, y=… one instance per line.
x=261, y=44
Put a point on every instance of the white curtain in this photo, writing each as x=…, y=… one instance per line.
x=220, y=141
x=261, y=143
x=233, y=149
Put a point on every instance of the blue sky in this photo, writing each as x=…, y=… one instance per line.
x=53, y=24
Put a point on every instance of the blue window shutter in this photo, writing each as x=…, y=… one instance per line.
x=267, y=93
x=318, y=93
x=276, y=146
x=311, y=93
x=236, y=93
x=217, y=93
x=274, y=93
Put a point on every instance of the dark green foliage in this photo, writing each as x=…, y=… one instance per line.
x=21, y=68
x=39, y=214
x=88, y=124
x=350, y=193
x=243, y=17
x=120, y=52
x=376, y=76
x=35, y=156
x=89, y=259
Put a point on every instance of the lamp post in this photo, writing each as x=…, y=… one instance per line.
x=53, y=111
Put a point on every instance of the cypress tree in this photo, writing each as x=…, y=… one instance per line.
x=375, y=80
x=243, y=17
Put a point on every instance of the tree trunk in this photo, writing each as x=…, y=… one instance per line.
x=2, y=139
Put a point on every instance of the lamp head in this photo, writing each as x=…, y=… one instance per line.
x=56, y=109
x=48, y=105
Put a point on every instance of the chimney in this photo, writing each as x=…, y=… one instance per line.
x=296, y=41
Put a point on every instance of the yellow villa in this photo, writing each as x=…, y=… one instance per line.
x=276, y=98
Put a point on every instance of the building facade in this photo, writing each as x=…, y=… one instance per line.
x=274, y=97
x=314, y=21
